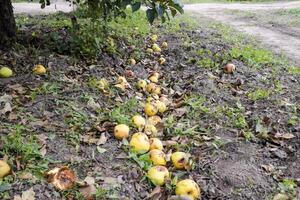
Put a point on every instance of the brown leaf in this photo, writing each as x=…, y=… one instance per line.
x=156, y=193
x=102, y=139
x=7, y=108
x=268, y=167
x=286, y=136
x=281, y=197
x=88, y=191
x=179, y=112
x=26, y=195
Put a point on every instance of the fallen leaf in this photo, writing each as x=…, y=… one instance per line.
x=88, y=191
x=281, y=197
x=286, y=136
x=102, y=139
x=101, y=150
x=26, y=195
x=268, y=168
x=7, y=108
x=156, y=193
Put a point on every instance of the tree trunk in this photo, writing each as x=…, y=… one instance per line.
x=7, y=23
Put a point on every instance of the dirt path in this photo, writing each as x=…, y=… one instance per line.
x=273, y=38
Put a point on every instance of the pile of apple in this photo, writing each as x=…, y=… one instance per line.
x=146, y=140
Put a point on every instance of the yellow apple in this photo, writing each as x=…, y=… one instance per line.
x=157, y=157
x=153, y=79
x=122, y=80
x=149, y=51
x=132, y=61
x=138, y=121
x=156, y=143
x=150, y=129
x=158, y=175
x=121, y=131
x=151, y=87
x=156, y=48
x=154, y=38
x=139, y=143
x=5, y=72
x=162, y=61
x=39, y=70
x=179, y=159
x=141, y=84
x=4, y=169
x=161, y=106
x=150, y=109
x=188, y=188
x=164, y=45
x=154, y=120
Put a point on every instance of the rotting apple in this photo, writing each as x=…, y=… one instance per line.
x=157, y=157
x=158, y=175
x=179, y=159
x=121, y=131
x=188, y=188
x=139, y=143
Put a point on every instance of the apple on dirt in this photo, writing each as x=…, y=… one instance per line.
x=179, y=160
x=141, y=85
x=188, y=188
x=161, y=106
x=132, y=61
x=157, y=157
x=138, y=121
x=154, y=120
x=156, y=48
x=139, y=143
x=62, y=178
x=158, y=175
x=150, y=129
x=121, y=131
x=149, y=50
x=154, y=38
x=154, y=77
x=156, y=143
x=4, y=169
x=164, y=45
x=150, y=109
x=5, y=72
x=229, y=68
x=161, y=60
x=39, y=70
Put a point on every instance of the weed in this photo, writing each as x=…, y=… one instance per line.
x=259, y=94
x=122, y=113
x=293, y=121
x=294, y=70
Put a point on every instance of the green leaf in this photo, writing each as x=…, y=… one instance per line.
x=136, y=6
x=151, y=14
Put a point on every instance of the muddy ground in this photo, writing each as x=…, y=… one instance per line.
x=244, y=143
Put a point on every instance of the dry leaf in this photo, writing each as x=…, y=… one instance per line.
x=281, y=197
x=268, y=168
x=26, y=195
x=102, y=139
x=88, y=191
x=156, y=193
x=286, y=136
x=7, y=108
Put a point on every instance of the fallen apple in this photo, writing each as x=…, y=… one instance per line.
x=150, y=109
x=179, y=159
x=154, y=38
x=229, y=68
x=138, y=121
x=149, y=51
x=161, y=106
x=162, y=61
x=154, y=120
x=5, y=72
x=164, y=45
x=156, y=143
x=4, y=169
x=151, y=87
x=188, y=188
x=62, y=178
x=141, y=85
x=39, y=70
x=158, y=175
x=153, y=79
x=139, y=143
x=132, y=61
x=157, y=157
x=150, y=129
x=121, y=131
x=156, y=48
